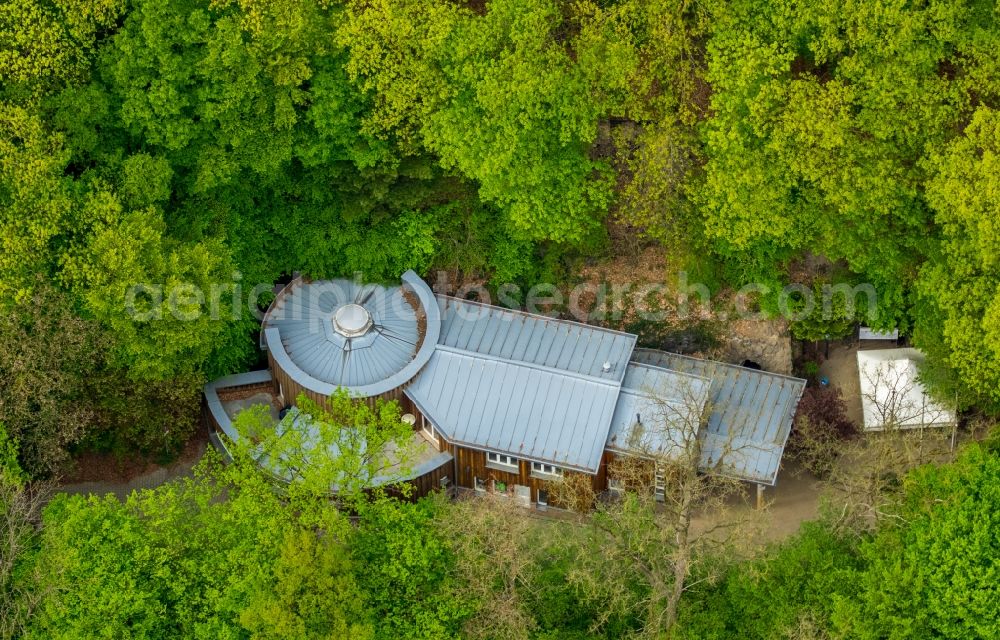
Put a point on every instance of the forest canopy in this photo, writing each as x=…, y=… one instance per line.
x=165, y=163
x=227, y=143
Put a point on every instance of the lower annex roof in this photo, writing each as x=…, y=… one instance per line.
x=750, y=414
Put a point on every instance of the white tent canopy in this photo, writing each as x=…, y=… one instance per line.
x=891, y=394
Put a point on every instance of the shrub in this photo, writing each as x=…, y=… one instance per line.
x=820, y=424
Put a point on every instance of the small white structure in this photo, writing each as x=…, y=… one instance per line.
x=867, y=333
x=891, y=394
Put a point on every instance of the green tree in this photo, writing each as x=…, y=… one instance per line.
x=404, y=566
x=824, y=113
x=960, y=284
x=497, y=99
x=76, y=233
x=50, y=362
x=47, y=45
x=312, y=595
x=35, y=200
x=344, y=446
x=802, y=579
x=62, y=392
x=218, y=555
x=20, y=505
x=935, y=573
x=826, y=311
x=152, y=291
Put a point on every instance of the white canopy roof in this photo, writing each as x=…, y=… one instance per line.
x=891, y=394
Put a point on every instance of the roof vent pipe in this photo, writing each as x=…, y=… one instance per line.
x=607, y=367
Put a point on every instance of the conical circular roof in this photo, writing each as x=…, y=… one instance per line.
x=341, y=333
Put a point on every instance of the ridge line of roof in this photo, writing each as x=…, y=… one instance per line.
x=716, y=363
x=538, y=316
x=656, y=367
x=532, y=365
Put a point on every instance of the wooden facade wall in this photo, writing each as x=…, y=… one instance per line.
x=471, y=464
x=284, y=384
x=207, y=419
x=431, y=481
x=467, y=464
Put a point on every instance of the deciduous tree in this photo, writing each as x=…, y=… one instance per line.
x=933, y=572
x=960, y=284
x=644, y=550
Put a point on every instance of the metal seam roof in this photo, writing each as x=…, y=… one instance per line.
x=377, y=362
x=526, y=410
x=654, y=395
x=751, y=408
x=489, y=330
x=528, y=385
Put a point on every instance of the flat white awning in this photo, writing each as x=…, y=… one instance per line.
x=892, y=396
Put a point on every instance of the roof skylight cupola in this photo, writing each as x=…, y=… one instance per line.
x=352, y=320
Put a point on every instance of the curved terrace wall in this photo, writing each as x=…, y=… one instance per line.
x=425, y=477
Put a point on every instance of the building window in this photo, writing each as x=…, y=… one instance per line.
x=543, y=497
x=479, y=483
x=547, y=470
x=428, y=428
x=505, y=462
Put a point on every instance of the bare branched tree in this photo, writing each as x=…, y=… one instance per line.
x=866, y=480
x=894, y=399
x=495, y=549
x=21, y=507
x=662, y=532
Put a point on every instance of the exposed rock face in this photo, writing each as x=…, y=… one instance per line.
x=766, y=342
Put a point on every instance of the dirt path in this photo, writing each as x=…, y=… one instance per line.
x=148, y=480
x=841, y=369
x=793, y=500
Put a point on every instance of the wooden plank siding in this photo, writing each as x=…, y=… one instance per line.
x=284, y=384
x=470, y=464
x=467, y=464
x=431, y=481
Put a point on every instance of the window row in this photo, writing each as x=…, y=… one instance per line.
x=501, y=459
x=510, y=462
x=541, y=468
